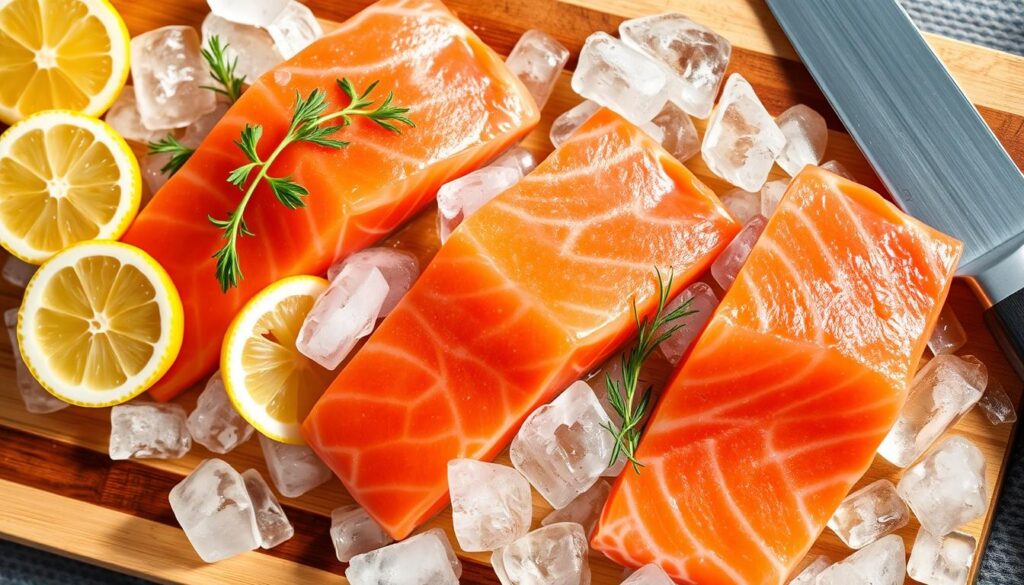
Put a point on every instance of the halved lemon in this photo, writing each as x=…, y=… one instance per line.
x=66, y=54
x=64, y=178
x=270, y=383
x=100, y=323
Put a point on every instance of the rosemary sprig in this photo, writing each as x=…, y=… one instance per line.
x=309, y=124
x=178, y=151
x=222, y=70
x=623, y=394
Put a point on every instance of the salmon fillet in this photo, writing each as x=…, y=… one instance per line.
x=467, y=107
x=529, y=293
x=787, y=394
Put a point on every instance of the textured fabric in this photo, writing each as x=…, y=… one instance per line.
x=21, y=565
x=998, y=24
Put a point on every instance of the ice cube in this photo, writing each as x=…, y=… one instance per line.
x=947, y=488
x=869, y=514
x=200, y=129
x=18, y=272
x=835, y=167
x=123, y=116
x=354, y=532
x=424, y=559
x=649, y=574
x=343, y=314
x=771, y=195
x=996, y=404
x=941, y=560
x=271, y=521
x=882, y=562
x=810, y=572
x=618, y=77
x=584, y=510
x=944, y=389
x=563, y=447
x=743, y=205
x=215, y=511
x=294, y=29
x=215, y=424
x=701, y=304
x=150, y=166
x=168, y=73
x=948, y=335
x=252, y=12
x=537, y=60
x=551, y=555
x=491, y=504
x=398, y=267
x=742, y=139
x=695, y=56
x=674, y=129
x=36, y=398
x=568, y=121
x=517, y=158
x=252, y=46
x=806, y=137
x=458, y=199
x=728, y=264
x=294, y=469
x=147, y=430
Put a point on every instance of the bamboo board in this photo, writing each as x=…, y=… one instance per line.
x=61, y=492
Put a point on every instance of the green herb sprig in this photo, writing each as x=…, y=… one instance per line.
x=622, y=394
x=309, y=124
x=178, y=151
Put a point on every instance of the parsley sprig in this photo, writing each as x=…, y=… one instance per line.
x=309, y=124
x=622, y=394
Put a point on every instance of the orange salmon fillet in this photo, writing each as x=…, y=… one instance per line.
x=797, y=378
x=467, y=107
x=530, y=292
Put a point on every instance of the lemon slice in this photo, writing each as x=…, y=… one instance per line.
x=67, y=54
x=100, y=323
x=64, y=178
x=271, y=384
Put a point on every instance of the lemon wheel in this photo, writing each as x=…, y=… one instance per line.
x=270, y=383
x=100, y=323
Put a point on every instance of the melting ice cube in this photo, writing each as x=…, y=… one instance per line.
x=294, y=469
x=869, y=514
x=947, y=488
x=537, y=60
x=517, y=158
x=168, y=73
x=941, y=560
x=354, y=532
x=215, y=424
x=568, y=121
x=882, y=562
x=125, y=119
x=618, y=77
x=743, y=205
x=271, y=521
x=742, y=140
x=945, y=388
x=398, y=267
x=252, y=12
x=771, y=195
x=674, y=129
x=458, y=199
x=695, y=56
x=343, y=314
x=563, y=447
x=649, y=574
x=948, y=335
x=491, y=504
x=806, y=138
x=252, y=46
x=37, y=400
x=294, y=29
x=18, y=272
x=216, y=512
x=424, y=559
x=552, y=555
x=146, y=430
x=835, y=167
x=728, y=264
x=584, y=510
x=701, y=304
x=996, y=404
x=200, y=129
x=150, y=166
x=810, y=573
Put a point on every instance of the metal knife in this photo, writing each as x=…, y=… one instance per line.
x=942, y=164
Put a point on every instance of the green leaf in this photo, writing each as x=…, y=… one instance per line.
x=240, y=176
x=222, y=70
x=178, y=151
x=288, y=192
x=250, y=140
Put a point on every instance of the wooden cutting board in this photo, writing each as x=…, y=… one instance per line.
x=61, y=492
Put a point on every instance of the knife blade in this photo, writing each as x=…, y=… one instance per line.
x=942, y=164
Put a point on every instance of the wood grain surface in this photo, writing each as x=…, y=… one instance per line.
x=61, y=492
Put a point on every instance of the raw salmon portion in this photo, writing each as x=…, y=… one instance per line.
x=530, y=292
x=797, y=378
x=467, y=107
